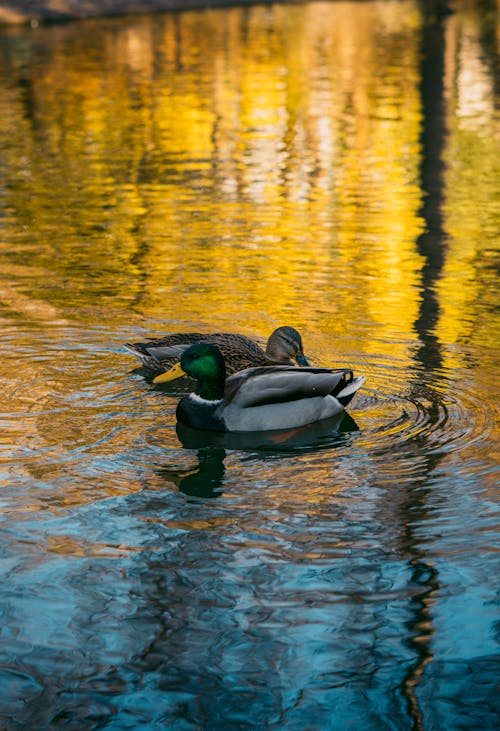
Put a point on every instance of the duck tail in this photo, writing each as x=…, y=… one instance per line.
x=141, y=352
x=347, y=393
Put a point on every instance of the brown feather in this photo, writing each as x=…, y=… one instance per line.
x=239, y=351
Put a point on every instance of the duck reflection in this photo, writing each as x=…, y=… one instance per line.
x=319, y=435
x=207, y=479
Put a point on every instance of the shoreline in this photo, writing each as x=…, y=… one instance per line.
x=34, y=12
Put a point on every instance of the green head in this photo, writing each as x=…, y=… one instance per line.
x=205, y=363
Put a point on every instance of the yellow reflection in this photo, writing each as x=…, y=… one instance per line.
x=243, y=167
x=467, y=288
x=306, y=189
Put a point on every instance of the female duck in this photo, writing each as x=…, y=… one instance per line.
x=257, y=399
x=283, y=347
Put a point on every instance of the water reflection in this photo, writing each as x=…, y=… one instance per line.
x=331, y=165
x=245, y=164
x=319, y=435
x=207, y=478
x=431, y=245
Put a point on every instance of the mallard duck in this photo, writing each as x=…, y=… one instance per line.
x=257, y=399
x=283, y=347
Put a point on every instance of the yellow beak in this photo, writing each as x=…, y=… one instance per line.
x=170, y=375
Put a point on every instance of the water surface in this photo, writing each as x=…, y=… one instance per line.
x=331, y=166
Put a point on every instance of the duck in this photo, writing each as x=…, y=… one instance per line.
x=284, y=347
x=262, y=398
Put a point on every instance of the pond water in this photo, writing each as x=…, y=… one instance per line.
x=331, y=166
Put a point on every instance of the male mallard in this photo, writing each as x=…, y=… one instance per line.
x=257, y=399
x=239, y=352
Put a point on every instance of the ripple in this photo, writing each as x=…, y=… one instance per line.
x=399, y=407
x=99, y=420
x=18, y=689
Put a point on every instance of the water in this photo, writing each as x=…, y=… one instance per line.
x=330, y=166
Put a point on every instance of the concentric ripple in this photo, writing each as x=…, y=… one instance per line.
x=406, y=410
x=82, y=412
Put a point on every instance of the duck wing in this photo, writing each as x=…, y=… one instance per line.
x=175, y=339
x=167, y=349
x=279, y=384
x=238, y=350
x=233, y=342
x=158, y=354
x=283, y=397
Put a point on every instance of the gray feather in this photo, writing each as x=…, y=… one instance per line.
x=276, y=384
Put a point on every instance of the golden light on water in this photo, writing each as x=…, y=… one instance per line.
x=327, y=165
x=248, y=167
